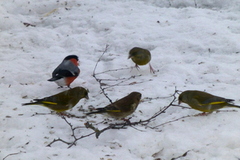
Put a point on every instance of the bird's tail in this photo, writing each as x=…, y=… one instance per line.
x=233, y=105
x=40, y=102
x=37, y=102
x=53, y=79
x=31, y=103
x=98, y=110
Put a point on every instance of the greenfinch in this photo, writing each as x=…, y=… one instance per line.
x=62, y=101
x=140, y=56
x=203, y=101
x=122, y=107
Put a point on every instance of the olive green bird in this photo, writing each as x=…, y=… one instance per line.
x=62, y=101
x=140, y=56
x=122, y=107
x=204, y=102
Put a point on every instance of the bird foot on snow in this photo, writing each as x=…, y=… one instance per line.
x=203, y=114
x=127, y=120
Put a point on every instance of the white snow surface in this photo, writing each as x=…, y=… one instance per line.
x=195, y=44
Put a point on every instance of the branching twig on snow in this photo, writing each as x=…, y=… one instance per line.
x=119, y=81
x=99, y=80
x=75, y=139
x=11, y=154
x=120, y=125
x=128, y=123
x=183, y=155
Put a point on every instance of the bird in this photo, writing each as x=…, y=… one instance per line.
x=66, y=72
x=204, y=101
x=122, y=107
x=62, y=101
x=140, y=56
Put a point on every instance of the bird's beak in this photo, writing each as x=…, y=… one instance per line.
x=129, y=56
x=87, y=97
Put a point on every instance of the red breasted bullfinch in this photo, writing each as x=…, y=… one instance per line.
x=66, y=72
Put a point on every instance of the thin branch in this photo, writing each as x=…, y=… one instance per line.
x=94, y=74
x=105, y=50
x=59, y=139
x=183, y=155
x=172, y=121
x=71, y=127
x=118, y=84
x=13, y=154
x=84, y=136
x=164, y=108
x=97, y=132
x=118, y=79
x=101, y=81
x=128, y=123
x=113, y=70
x=147, y=99
x=70, y=144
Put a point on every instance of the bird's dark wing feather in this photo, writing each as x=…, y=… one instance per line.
x=217, y=100
x=62, y=73
x=112, y=108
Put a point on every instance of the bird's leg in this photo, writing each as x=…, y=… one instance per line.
x=203, y=114
x=63, y=114
x=151, y=69
x=127, y=120
x=137, y=67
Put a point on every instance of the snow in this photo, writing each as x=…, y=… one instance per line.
x=194, y=45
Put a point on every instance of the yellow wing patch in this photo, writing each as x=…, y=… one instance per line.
x=220, y=102
x=47, y=102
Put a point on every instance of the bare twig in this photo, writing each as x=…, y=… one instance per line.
x=118, y=84
x=105, y=50
x=59, y=139
x=113, y=70
x=172, y=121
x=183, y=155
x=98, y=80
x=123, y=125
x=128, y=123
x=164, y=108
x=71, y=127
x=28, y=24
x=13, y=154
x=111, y=126
x=119, y=81
x=84, y=136
x=97, y=131
x=75, y=139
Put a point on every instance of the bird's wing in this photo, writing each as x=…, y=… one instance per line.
x=48, y=102
x=64, y=73
x=217, y=100
x=43, y=101
x=112, y=108
x=66, y=69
